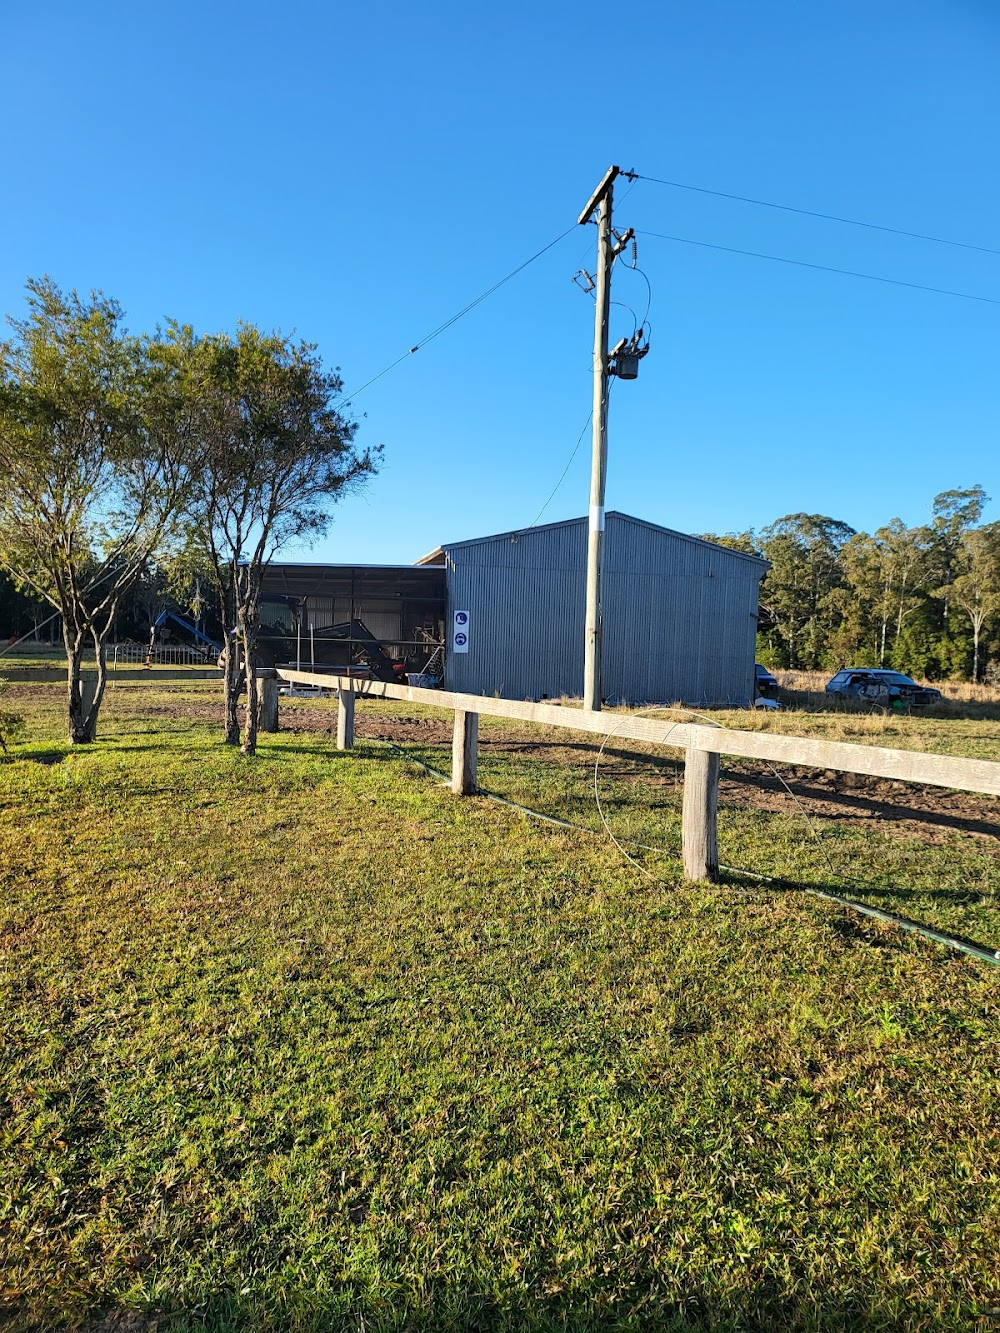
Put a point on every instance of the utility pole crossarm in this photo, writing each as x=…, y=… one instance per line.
x=598, y=194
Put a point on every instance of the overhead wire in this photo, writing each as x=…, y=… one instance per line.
x=635, y=318
x=634, y=268
x=826, y=217
x=459, y=314
x=569, y=464
x=821, y=268
x=576, y=450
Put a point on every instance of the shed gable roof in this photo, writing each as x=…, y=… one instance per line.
x=581, y=522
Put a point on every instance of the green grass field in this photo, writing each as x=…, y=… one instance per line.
x=306, y=1042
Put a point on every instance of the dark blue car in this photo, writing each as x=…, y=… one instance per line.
x=765, y=685
x=877, y=686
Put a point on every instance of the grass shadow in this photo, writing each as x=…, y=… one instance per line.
x=457, y=1308
x=854, y=898
x=45, y=757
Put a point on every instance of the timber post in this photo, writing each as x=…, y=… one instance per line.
x=345, y=718
x=699, y=820
x=267, y=684
x=464, y=753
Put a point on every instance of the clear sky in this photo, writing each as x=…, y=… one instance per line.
x=357, y=173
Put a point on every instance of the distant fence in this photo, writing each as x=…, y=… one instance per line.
x=161, y=655
x=702, y=745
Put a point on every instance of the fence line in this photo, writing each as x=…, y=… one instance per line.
x=162, y=655
x=702, y=745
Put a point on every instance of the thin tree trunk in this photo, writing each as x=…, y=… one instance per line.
x=248, y=619
x=232, y=677
x=253, y=713
x=100, y=653
x=232, y=686
x=79, y=732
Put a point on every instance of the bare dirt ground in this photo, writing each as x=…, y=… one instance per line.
x=844, y=797
x=933, y=814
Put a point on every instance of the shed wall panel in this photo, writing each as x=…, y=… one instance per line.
x=525, y=603
x=679, y=615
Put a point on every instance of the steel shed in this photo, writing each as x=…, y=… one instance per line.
x=679, y=614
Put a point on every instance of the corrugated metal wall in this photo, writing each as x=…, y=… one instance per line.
x=679, y=615
x=524, y=595
x=383, y=617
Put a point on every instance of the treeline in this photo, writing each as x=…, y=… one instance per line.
x=925, y=599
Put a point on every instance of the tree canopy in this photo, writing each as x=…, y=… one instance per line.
x=203, y=453
x=279, y=454
x=833, y=597
x=95, y=469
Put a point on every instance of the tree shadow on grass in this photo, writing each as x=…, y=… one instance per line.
x=449, y=1310
x=878, y=807
x=326, y=749
x=44, y=757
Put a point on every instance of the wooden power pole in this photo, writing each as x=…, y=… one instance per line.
x=601, y=199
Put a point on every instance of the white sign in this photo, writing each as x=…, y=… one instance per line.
x=460, y=632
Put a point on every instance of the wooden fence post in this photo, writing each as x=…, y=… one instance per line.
x=268, y=687
x=345, y=718
x=464, y=753
x=699, y=835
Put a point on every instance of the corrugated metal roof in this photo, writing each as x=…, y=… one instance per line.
x=306, y=579
x=612, y=513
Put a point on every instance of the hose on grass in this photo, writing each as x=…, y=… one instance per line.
x=982, y=952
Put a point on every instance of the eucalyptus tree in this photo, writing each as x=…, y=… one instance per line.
x=95, y=463
x=279, y=454
x=865, y=601
x=797, y=594
x=975, y=582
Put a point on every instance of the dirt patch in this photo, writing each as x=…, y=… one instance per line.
x=846, y=798
x=854, y=799
x=934, y=814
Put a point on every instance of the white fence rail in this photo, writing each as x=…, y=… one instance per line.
x=702, y=744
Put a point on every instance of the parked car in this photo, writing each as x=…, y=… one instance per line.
x=765, y=685
x=881, y=687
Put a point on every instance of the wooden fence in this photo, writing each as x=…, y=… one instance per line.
x=702, y=745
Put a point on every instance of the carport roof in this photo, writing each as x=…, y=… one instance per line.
x=316, y=579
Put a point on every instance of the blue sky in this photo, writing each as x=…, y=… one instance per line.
x=357, y=173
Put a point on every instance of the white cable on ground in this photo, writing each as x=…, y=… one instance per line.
x=982, y=952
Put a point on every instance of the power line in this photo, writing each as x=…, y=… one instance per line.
x=569, y=464
x=459, y=314
x=634, y=268
x=826, y=217
x=823, y=268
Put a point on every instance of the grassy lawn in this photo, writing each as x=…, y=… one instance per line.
x=306, y=1042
